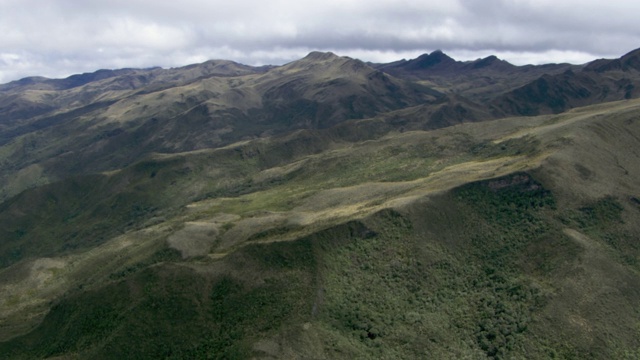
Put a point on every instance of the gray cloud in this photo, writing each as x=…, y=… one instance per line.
x=59, y=37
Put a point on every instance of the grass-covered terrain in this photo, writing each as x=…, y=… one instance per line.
x=391, y=286
x=513, y=238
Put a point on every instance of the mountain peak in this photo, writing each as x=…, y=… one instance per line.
x=426, y=61
x=317, y=59
x=320, y=56
x=492, y=61
x=439, y=55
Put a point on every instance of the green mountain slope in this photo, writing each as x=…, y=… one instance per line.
x=501, y=239
x=322, y=209
x=49, y=134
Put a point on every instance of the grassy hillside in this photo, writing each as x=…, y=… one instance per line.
x=514, y=238
x=391, y=286
x=53, y=129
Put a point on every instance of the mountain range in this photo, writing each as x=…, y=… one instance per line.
x=326, y=208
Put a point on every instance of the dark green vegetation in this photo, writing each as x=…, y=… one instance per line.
x=378, y=289
x=324, y=209
x=177, y=312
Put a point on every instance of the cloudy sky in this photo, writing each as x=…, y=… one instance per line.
x=57, y=38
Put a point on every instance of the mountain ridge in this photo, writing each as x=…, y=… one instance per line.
x=157, y=110
x=597, y=81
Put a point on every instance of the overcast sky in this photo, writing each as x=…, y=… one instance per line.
x=57, y=38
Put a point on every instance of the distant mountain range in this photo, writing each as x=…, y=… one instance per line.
x=158, y=110
x=327, y=208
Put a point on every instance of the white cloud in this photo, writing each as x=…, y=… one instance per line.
x=59, y=37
